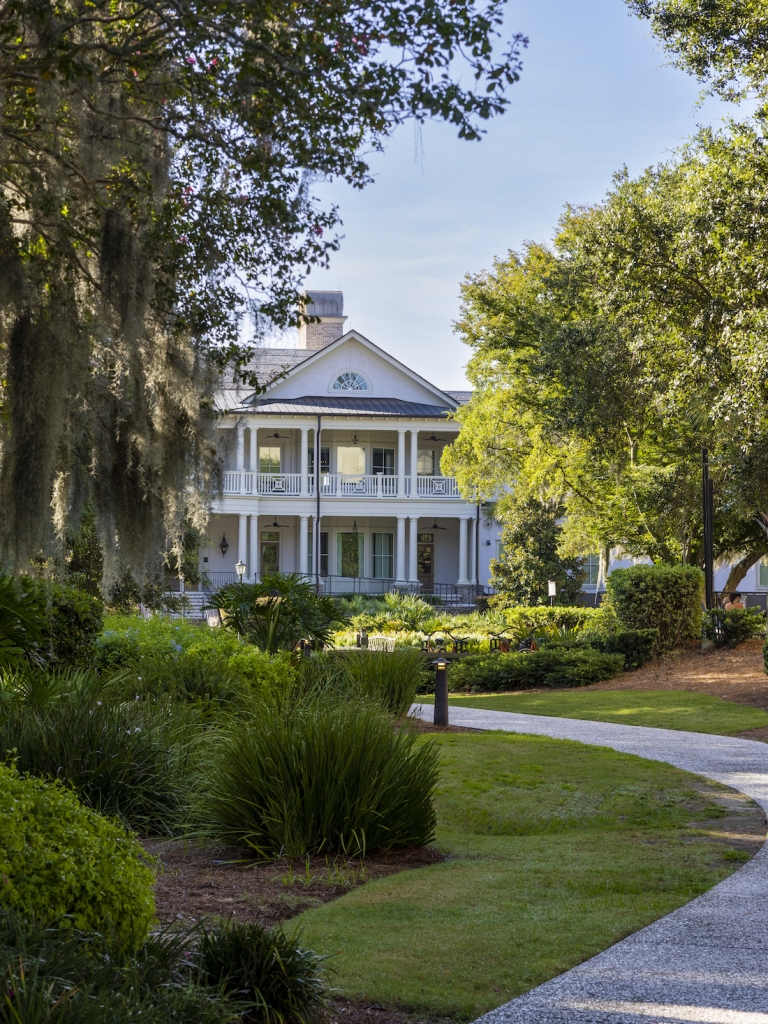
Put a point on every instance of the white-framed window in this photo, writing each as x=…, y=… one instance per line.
x=383, y=556
x=350, y=380
x=762, y=573
x=269, y=459
x=350, y=460
x=499, y=550
x=425, y=462
x=349, y=553
x=592, y=569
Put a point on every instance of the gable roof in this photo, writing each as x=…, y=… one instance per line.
x=318, y=354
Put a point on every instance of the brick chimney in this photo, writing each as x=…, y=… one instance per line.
x=329, y=307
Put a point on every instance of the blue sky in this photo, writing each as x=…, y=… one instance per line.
x=595, y=94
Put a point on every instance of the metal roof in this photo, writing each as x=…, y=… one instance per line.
x=330, y=405
x=460, y=396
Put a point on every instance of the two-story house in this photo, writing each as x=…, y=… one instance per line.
x=334, y=471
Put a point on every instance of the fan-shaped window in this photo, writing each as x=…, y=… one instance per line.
x=350, y=381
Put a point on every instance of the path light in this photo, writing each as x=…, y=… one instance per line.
x=240, y=568
x=441, y=693
x=552, y=591
x=224, y=546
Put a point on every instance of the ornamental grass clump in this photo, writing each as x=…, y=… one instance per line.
x=331, y=777
x=281, y=982
x=389, y=679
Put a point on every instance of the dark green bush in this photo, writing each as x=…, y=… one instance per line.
x=281, y=981
x=637, y=645
x=71, y=620
x=63, y=976
x=391, y=679
x=734, y=626
x=330, y=776
x=553, y=666
x=60, y=858
x=663, y=597
x=125, y=759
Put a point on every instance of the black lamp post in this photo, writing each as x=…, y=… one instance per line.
x=709, y=516
x=441, y=693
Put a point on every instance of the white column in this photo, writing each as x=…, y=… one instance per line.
x=253, y=565
x=401, y=466
x=414, y=460
x=240, y=454
x=242, y=537
x=463, y=551
x=472, y=550
x=400, y=549
x=413, y=551
x=303, y=529
x=252, y=450
x=304, y=464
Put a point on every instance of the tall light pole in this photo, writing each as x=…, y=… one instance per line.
x=709, y=515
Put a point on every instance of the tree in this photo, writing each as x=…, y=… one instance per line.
x=156, y=162
x=603, y=365
x=530, y=557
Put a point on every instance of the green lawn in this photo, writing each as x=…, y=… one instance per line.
x=555, y=851
x=665, y=709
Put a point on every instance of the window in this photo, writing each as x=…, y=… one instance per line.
x=349, y=553
x=425, y=464
x=350, y=381
x=323, y=553
x=325, y=460
x=762, y=573
x=384, y=461
x=270, y=551
x=383, y=556
x=499, y=550
x=269, y=460
x=350, y=461
x=592, y=569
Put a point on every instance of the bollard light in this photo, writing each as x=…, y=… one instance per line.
x=441, y=693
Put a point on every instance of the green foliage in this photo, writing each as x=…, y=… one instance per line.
x=330, y=776
x=280, y=980
x=277, y=612
x=554, y=666
x=390, y=679
x=662, y=597
x=637, y=645
x=124, y=759
x=560, y=617
x=59, y=858
x=72, y=621
x=530, y=559
x=21, y=622
x=734, y=626
x=63, y=976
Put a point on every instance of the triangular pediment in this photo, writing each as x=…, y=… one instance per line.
x=357, y=360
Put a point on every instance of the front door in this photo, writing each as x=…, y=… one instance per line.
x=350, y=554
x=270, y=551
x=426, y=559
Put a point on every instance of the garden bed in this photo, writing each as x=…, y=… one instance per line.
x=196, y=882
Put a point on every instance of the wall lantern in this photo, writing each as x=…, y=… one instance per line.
x=354, y=527
x=224, y=546
x=355, y=439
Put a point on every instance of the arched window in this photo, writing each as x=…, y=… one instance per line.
x=350, y=381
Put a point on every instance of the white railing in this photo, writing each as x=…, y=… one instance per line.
x=338, y=485
x=278, y=483
x=436, y=486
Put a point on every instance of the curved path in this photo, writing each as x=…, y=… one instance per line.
x=705, y=963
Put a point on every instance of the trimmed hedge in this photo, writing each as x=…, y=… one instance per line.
x=637, y=645
x=61, y=862
x=552, y=666
x=663, y=597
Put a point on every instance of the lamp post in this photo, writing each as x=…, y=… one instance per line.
x=240, y=568
x=551, y=591
x=709, y=509
x=441, y=693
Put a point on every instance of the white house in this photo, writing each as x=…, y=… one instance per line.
x=372, y=511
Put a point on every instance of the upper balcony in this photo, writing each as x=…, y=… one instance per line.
x=339, y=485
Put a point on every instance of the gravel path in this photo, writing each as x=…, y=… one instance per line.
x=705, y=963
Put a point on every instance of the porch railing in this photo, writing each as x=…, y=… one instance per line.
x=375, y=485
x=436, y=486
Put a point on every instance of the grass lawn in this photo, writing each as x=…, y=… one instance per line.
x=555, y=850
x=665, y=709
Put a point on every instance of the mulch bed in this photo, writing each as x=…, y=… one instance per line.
x=343, y=1011
x=196, y=881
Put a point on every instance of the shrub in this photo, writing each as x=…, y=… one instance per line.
x=21, y=622
x=282, y=982
x=127, y=759
x=732, y=627
x=554, y=666
x=72, y=621
x=390, y=679
x=332, y=777
x=663, y=597
x=59, y=858
x=637, y=645
x=277, y=612
x=533, y=619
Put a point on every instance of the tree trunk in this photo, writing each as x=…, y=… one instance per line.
x=740, y=570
